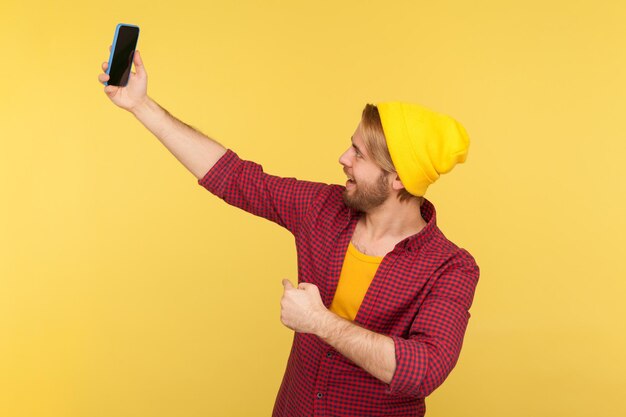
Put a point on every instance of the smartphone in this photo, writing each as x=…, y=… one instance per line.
x=122, y=52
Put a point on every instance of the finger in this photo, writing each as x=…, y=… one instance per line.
x=307, y=286
x=103, y=78
x=139, y=68
x=287, y=284
x=105, y=65
x=110, y=90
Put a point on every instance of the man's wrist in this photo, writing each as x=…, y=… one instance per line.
x=328, y=325
x=141, y=107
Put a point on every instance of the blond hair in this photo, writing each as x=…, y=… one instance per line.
x=376, y=146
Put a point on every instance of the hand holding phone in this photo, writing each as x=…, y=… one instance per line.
x=133, y=90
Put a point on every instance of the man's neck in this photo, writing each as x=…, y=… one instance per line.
x=380, y=229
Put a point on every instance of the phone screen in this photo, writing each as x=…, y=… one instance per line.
x=122, y=55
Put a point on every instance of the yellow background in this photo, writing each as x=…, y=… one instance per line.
x=128, y=290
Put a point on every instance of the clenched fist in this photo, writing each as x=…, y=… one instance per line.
x=302, y=309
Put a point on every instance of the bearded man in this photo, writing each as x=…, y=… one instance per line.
x=383, y=297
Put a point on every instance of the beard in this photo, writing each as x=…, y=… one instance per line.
x=366, y=197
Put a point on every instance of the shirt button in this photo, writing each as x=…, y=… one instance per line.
x=329, y=355
x=320, y=395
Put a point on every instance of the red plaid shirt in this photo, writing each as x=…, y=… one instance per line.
x=420, y=297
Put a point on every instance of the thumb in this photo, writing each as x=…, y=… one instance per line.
x=287, y=284
x=139, y=68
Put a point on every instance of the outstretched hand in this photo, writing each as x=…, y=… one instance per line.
x=135, y=92
x=302, y=308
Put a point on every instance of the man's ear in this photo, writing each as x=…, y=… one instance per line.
x=397, y=182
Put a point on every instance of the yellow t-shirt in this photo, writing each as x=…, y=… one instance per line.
x=356, y=276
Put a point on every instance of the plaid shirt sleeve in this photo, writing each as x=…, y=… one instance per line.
x=427, y=356
x=244, y=184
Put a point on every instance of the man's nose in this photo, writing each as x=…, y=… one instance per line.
x=344, y=159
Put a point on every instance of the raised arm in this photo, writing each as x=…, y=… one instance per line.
x=196, y=151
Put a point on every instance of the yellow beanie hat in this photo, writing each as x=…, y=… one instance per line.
x=423, y=144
